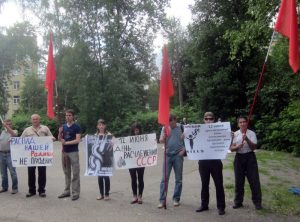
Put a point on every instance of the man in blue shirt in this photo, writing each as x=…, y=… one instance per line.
x=69, y=135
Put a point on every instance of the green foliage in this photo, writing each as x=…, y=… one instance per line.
x=33, y=95
x=18, y=49
x=22, y=121
x=281, y=133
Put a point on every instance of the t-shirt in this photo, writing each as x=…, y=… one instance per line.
x=174, y=142
x=69, y=134
x=4, y=140
x=238, y=138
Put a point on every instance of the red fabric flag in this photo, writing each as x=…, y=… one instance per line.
x=166, y=91
x=50, y=78
x=287, y=25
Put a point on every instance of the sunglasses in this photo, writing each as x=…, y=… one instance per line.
x=208, y=119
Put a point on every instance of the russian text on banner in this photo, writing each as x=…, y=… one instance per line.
x=207, y=141
x=135, y=151
x=31, y=151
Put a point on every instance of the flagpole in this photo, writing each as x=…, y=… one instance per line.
x=258, y=86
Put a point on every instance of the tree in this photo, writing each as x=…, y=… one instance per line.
x=18, y=48
x=33, y=96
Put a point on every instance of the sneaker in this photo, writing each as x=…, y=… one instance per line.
x=63, y=195
x=160, y=205
x=106, y=198
x=176, y=203
x=14, y=191
x=30, y=194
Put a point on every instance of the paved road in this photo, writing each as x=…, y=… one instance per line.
x=18, y=208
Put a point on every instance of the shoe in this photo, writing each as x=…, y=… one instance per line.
x=221, y=211
x=42, y=194
x=236, y=206
x=176, y=203
x=258, y=207
x=3, y=190
x=14, y=191
x=160, y=205
x=106, y=198
x=200, y=209
x=100, y=198
x=140, y=200
x=63, y=195
x=134, y=201
x=75, y=197
x=30, y=194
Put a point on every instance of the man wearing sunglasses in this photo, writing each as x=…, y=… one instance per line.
x=213, y=168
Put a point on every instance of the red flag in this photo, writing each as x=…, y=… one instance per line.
x=287, y=25
x=166, y=91
x=50, y=78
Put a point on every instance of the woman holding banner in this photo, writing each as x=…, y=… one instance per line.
x=137, y=174
x=105, y=150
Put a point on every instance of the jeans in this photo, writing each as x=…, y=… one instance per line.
x=175, y=162
x=5, y=163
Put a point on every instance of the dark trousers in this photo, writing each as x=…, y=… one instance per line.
x=213, y=168
x=104, y=185
x=41, y=179
x=137, y=174
x=245, y=165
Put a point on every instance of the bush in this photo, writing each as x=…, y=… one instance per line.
x=22, y=121
x=281, y=133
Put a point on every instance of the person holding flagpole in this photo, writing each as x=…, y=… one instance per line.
x=175, y=151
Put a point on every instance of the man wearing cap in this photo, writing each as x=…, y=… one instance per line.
x=174, y=159
x=212, y=168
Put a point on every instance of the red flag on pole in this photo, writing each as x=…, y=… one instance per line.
x=287, y=25
x=50, y=78
x=166, y=91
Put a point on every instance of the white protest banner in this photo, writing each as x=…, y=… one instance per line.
x=99, y=155
x=207, y=141
x=31, y=151
x=135, y=151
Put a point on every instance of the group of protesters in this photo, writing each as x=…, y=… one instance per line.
x=243, y=143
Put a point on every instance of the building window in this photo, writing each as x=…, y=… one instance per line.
x=16, y=85
x=16, y=100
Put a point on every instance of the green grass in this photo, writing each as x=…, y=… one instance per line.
x=278, y=172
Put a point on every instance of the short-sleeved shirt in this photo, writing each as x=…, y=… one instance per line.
x=33, y=132
x=69, y=134
x=174, y=141
x=238, y=139
x=4, y=140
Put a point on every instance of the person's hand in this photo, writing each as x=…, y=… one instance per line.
x=60, y=130
x=182, y=152
x=63, y=142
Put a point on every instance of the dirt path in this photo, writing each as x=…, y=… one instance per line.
x=18, y=208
